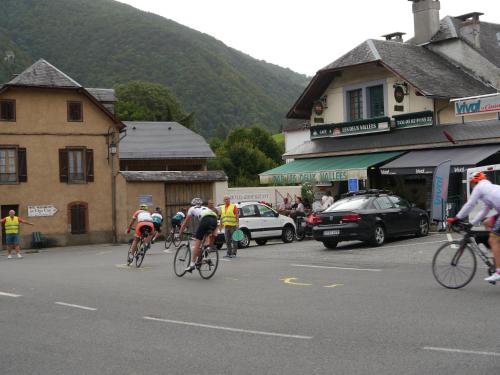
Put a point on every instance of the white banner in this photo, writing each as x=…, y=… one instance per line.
x=46, y=210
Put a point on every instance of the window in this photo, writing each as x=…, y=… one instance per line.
x=76, y=165
x=75, y=111
x=376, y=101
x=13, y=165
x=346, y=204
x=78, y=217
x=265, y=211
x=7, y=110
x=399, y=202
x=248, y=211
x=355, y=104
x=383, y=203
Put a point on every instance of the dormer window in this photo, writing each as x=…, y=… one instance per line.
x=365, y=101
x=75, y=111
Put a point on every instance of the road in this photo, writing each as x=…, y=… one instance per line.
x=277, y=309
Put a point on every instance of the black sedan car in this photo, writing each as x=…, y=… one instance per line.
x=369, y=216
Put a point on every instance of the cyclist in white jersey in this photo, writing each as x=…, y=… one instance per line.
x=208, y=223
x=489, y=194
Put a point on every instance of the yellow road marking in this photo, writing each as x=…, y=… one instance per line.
x=291, y=281
x=332, y=286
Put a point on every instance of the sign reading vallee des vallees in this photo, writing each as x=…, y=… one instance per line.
x=352, y=128
x=477, y=105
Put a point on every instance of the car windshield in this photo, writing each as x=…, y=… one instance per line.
x=346, y=204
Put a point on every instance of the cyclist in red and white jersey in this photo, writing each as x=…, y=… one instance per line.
x=144, y=220
x=489, y=194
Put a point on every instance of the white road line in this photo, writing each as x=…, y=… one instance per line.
x=228, y=328
x=10, y=295
x=105, y=252
x=450, y=350
x=450, y=239
x=76, y=306
x=338, y=268
x=414, y=243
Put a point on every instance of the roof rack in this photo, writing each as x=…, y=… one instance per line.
x=366, y=192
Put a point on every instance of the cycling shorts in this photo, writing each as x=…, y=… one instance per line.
x=495, y=229
x=157, y=226
x=145, y=225
x=207, y=224
x=176, y=222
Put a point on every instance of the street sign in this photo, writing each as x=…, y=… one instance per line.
x=46, y=210
x=353, y=185
x=146, y=199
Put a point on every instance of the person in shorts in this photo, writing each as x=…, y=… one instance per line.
x=11, y=225
x=144, y=222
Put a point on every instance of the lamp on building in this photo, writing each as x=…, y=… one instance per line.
x=112, y=149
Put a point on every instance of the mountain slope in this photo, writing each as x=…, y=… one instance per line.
x=101, y=43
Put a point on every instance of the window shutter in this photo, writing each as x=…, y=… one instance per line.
x=89, y=159
x=22, y=170
x=63, y=165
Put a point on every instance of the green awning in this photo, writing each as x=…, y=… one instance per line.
x=326, y=169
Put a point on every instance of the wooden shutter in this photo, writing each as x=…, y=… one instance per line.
x=63, y=165
x=22, y=170
x=89, y=160
x=78, y=216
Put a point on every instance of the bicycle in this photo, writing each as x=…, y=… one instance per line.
x=142, y=248
x=206, y=264
x=172, y=238
x=454, y=264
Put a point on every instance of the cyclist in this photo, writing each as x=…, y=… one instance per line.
x=489, y=194
x=157, y=221
x=177, y=218
x=144, y=220
x=208, y=223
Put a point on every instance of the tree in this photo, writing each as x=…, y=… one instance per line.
x=146, y=101
x=244, y=154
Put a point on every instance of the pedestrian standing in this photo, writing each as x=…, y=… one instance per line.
x=326, y=200
x=230, y=221
x=11, y=225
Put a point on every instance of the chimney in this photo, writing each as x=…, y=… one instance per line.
x=395, y=37
x=470, y=27
x=425, y=19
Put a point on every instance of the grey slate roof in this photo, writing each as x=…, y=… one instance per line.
x=478, y=132
x=162, y=140
x=43, y=74
x=174, y=176
x=423, y=69
x=102, y=95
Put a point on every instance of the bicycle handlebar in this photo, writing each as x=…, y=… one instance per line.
x=461, y=226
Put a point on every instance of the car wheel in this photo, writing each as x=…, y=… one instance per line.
x=330, y=244
x=288, y=234
x=261, y=242
x=378, y=236
x=245, y=242
x=423, y=227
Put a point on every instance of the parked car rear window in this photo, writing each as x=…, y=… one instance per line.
x=382, y=203
x=399, y=202
x=353, y=203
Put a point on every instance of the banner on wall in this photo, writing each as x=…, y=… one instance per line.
x=440, y=190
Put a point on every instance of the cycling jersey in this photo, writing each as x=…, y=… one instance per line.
x=142, y=215
x=486, y=192
x=157, y=218
x=200, y=212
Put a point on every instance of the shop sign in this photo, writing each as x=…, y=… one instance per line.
x=254, y=196
x=38, y=211
x=298, y=178
x=146, y=199
x=414, y=120
x=405, y=171
x=353, y=128
x=477, y=105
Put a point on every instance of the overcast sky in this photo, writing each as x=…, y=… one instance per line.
x=302, y=35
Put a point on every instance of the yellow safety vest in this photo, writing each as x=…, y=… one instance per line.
x=11, y=225
x=227, y=217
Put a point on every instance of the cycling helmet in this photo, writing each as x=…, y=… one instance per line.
x=197, y=202
x=477, y=177
x=144, y=206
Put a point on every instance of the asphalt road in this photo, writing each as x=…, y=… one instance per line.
x=278, y=309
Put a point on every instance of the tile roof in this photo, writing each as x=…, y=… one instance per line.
x=166, y=176
x=102, y=95
x=43, y=74
x=479, y=132
x=162, y=140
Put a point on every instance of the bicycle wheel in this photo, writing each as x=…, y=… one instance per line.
x=209, y=262
x=169, y=240
x=182, y=259
x=130, y=256
x=453, y=266
x=141, y=253
x=176, y=239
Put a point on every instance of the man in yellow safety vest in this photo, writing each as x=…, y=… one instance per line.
x=230, y=221
x=11, y=225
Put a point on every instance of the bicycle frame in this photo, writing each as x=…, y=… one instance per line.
x=469, y=239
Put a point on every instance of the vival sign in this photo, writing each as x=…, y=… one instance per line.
x=477, y=105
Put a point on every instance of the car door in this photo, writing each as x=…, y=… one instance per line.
x=409, y=219
x=270, y=221
x=250, y=219
x=390, y=215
